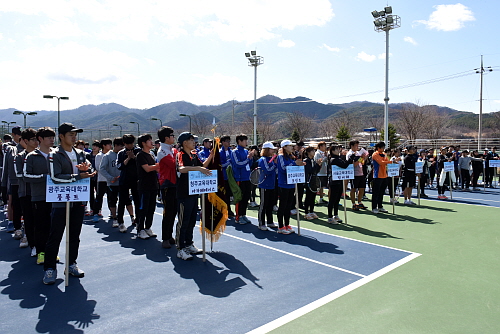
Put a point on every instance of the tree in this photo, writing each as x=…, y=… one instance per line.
x=295, y=136
x=412, y=120
x=343, y=134
x=393, y=137
x=436, y=123
x=297, y=121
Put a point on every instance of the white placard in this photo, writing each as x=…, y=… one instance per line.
x=295, y=174
x=339, y=173
x=419, y=167
x=449, y=166
x=494, y=163
x=393, y=170
x=78, y=191
x=200, y=183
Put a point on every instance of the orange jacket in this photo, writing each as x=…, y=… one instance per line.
x=380, y=162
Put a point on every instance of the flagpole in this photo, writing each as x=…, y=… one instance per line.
x=203, y=225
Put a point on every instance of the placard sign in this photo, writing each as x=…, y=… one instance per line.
x=494, y=163
x=393, y=170
x=295, y=174
x=419, y=167
x=78, y=191
x=449, y=166
x=200, y=183
x=342, y=173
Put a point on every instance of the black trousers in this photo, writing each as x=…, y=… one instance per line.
x=310, y=199
x=93, y=191
x=42, y=211
x=57, y=227
x=379, y=185
x=169, y=199
x=475, y=176
x=390, y=187
x=29, y=219
x=146, y=210
x=490, y=172
x=423, y=181
x=187, y=212
x=102, y=187
x=124, y=196
x=241, y=206
x=465, y=178
x=17, y=211
x=300, y=189
x=287, y=202
x=335, y=190
x=266, y=206
x=113, y=192
x=227, y=199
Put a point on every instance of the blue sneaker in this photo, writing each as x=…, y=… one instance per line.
x=50, y=276
x=75, y=271
x=95, y=218
x=10, y=228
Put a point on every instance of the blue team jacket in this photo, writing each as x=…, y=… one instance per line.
x=241, y=164
x=282, y=163
x=269, y=169
x=225, y=160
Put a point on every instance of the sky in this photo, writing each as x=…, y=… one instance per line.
x=145, y=53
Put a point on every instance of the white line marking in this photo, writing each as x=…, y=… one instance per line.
x=295, y=255
x=328, y=298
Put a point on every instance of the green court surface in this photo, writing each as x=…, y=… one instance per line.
x=453, y=287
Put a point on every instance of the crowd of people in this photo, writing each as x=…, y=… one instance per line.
x=134, y=173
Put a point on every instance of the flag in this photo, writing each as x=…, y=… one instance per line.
x=216, y=210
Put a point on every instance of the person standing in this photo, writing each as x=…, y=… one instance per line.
x=67, y=164
x=241, y=162
x=102, y=186
x=96, y=148
x=380, y=162
x=409, y=174
x=321, y=159
x=168, y=182
x=225, y=159
x=424, y=178
x=335, y=186
x=359, y=183
x=267, y=188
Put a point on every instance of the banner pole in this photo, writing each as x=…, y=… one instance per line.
x=451, y=185
x=297, y=208
x=484, y=176
x=212, y=229
x=66, y=265
x=345, y=206
x=203, y=225
x=418, y=190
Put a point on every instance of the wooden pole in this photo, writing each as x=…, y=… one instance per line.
x=66, y=265
x=297, y=208
x=203, y=225
x=393, y=197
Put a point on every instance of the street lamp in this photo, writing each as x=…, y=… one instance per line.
x=120, y=128
x=138, y=130
x=31, y=113
x=8, y=124
x=184, y=115
x=385, y=21
x=254, y=60
x=58, y=109
x=157, y=119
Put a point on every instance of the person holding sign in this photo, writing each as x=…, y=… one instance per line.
x=187, y=160
x=359, y=182
x=409, y=174
x=67, y=164
x=336, y=187
x=380, y=161
x=241, y=163
x=147, y=186
x=285, y=158
x=424, y=178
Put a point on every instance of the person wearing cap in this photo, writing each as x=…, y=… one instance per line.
x=205, y=150
x=311, y=169
x=380, y=162
x=267, y=188
x=490, y=171
x=359, y=182
x=187, y=160
x=287, y=191
x=67, y=164
x=96, y=148
x=409, y=174
x=241, y=163
x=225, y=160
x=102, y=186
x=424, y=178
x=11, y=184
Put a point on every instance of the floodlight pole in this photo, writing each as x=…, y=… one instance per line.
x=59, y=98
x=254, y=60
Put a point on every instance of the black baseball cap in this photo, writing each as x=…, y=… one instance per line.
x=184, y=136
x=16, y=130
x=207, y=140
x=67, y=127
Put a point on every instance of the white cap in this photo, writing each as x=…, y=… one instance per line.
x=286, y=142
x=268, y=144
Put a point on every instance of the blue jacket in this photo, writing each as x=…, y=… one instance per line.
x=269, y=170
x=241, y=164
x=203, y=154
x=282, y=163
x=225, y=160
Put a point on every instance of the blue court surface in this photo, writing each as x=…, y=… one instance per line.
x=487, y=197
x=251, y=281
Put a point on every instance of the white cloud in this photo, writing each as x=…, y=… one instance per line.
x=410, y=40
x=365, y=57
x=329, y=48
x=60, y=29
x=448, y=17
x=496, y=101
x=286, y=43
x=1, y=36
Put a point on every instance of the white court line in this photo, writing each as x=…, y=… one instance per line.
x=328, y=298
x=295, y=255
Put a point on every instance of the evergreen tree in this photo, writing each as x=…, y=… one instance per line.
x=343, y=134
x=295, y=136
x=393, y=137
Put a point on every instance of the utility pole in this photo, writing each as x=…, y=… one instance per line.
x=481, y=70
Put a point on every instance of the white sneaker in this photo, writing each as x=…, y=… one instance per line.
x=412, y=203
x=143, y=234
x=394, y=201
x=150, y=232
x=192, y=249
x=18, y=234
x=308, y=216
x=314, y=215
x=275, y=208
x=332, y=221
x=184, y=254
x=382, y=210
x=253, y=204
x=122, y=228
x=272, y=225
x=23, y=243
x=283, y=230
x=263, y=228
x=375, y=211
x=337, y=219
x=33, y=252
x=407, y=202
x=114, y=222
x=293, y=212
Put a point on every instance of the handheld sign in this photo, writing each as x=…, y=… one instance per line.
x=393, y=170
x=419, y=167
x=494, y=163
x=295, y=174
x=78, y=191
x=449, y=166
x=342, y=173
x=200, y=183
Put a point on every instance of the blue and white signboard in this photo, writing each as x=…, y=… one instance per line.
x=78, y=191
x=339, y=173
x=419, y=167
x=200, y=183
x=494, y=163
x=295, y=174
x=393, y=170
x=449, y=166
